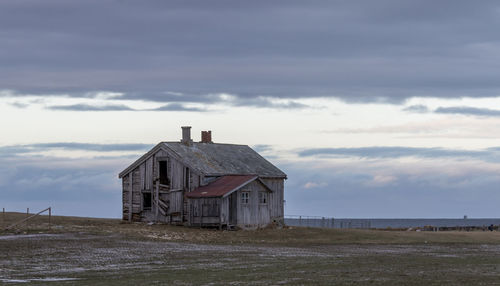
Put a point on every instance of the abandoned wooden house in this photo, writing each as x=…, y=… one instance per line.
x=203, y=184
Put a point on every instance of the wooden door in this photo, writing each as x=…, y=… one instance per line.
x=233, y=208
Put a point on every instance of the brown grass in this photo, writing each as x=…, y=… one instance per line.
x=111, y=252
x=288, y=236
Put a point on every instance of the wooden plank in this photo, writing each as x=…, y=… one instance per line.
x=162, y=204
x=157, y=199
x=142, y=171
x=130, y=190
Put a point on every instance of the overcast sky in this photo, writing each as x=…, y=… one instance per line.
x=372, y=108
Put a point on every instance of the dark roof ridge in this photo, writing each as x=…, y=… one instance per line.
x=231, y=144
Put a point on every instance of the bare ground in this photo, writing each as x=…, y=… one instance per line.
x=108, y=252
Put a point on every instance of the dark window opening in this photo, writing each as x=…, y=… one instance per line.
x=263, y=198
x=164, y=173
x=146, y=201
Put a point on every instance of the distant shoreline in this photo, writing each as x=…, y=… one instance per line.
x=390, y=222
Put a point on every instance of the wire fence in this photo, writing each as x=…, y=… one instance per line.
x=326, y=222
x=23, y=222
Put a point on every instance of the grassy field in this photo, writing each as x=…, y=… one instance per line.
x=109, y=252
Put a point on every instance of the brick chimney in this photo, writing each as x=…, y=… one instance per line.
x=186, y=135
x=206, y=136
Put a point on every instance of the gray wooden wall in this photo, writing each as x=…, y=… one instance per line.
x=144, y=179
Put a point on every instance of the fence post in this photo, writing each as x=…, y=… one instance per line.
x=333, y=223
x=50, y=214
x=300, y=220
x=3, y=217
x=323, y=222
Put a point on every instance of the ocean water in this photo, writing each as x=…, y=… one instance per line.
x=389, y=222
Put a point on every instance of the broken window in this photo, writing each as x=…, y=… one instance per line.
x=244, y=197
x=146, y=201
x=164, y=173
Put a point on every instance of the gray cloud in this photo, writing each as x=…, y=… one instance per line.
x=468, y=111
x=177, y=107
x=386, y=50
x=351, y=190
x=119, y=107
x=89, y=187
x=19, y=104
x=395, y=152
x=85, y=187
x=263, y=102
x=88, y=107
x=7, y=151
x=417, y=108
x=263, y=148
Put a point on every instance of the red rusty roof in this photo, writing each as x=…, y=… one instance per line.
x=222, y=186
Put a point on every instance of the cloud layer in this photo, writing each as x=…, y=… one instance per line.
x=398, y=152
x=354, y=50
x=446, y=186
x=15, y=150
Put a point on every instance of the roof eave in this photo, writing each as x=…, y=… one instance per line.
x=240, y=186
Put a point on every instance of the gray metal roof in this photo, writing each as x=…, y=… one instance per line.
x=224, y=159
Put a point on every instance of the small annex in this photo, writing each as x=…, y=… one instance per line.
x=203, y=184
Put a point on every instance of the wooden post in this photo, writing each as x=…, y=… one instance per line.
x=157, y=194
x=50, y=214
x=220, y=214
x=3, y=217
x=190, y=215
x=201, y=215
x=130, y=175
x=27, y=215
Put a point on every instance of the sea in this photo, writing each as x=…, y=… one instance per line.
x=383, y=223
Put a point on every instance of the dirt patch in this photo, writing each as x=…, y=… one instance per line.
x=110, y=252
x=116, y=259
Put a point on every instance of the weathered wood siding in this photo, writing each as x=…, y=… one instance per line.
x=224, y=210
x=276, y=198
x=148, y=184
x=125, y=196
x=175, y=202
x=205, y=211
x=144, y=179
x=146, y=175
x=253, y=214
x=136, y=194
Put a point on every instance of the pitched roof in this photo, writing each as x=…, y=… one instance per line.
x=224, y=159
x=215, y=159
x=222, y=186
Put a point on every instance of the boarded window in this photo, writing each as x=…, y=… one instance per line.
x=244, y=197
x=164, y=173
x=262, y=198
x=146, y=201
